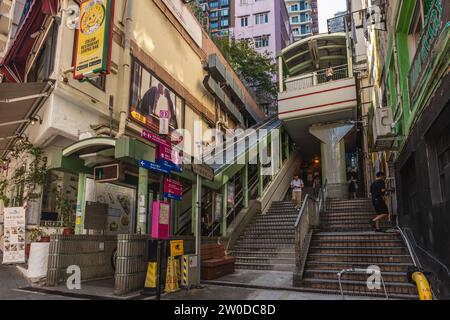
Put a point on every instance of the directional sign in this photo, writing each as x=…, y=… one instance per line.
x=169, y=165
x=153, y=167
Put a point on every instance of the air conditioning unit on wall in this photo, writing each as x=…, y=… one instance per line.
x=384, y=137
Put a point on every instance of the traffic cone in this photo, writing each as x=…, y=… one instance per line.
x=171, y=277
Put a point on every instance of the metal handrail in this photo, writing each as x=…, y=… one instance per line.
x=358, y=270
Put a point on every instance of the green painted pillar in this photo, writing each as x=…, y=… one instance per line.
x=223, y=227
x=194, y=209
x=280, y=149
x=142, y=207
x=260, y=180
x=245, y=185
x=81, y=204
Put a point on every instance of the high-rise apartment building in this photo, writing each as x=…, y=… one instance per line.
x=303, y=17
x=220, y=16
x=264, y=22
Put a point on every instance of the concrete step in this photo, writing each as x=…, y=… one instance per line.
x=360, y=287
x=356, y=243
x=333, y=275
x=273, y=267
x=352, y=258
x=265, y=250
x=263, y=254
x=264, y=246
x=264, y=241
x=265, y=260
x=359, y=250
x=341, y=265
x=252, y=236
x=356, y=236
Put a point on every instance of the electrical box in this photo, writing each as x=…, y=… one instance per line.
x=190, y=271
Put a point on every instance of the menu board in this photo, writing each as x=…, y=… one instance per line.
x=14, y=240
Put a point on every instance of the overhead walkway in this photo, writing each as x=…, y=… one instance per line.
x=317, y=102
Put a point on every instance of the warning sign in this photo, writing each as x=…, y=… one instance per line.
x=176, y=248
x=150, y=280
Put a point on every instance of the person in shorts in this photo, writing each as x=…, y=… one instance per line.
x=378, y=191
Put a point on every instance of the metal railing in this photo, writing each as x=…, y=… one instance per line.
x=315, y=78
x=308, y=219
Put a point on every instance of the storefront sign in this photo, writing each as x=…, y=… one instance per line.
x=94, y=39
x=155, y=138
x=203, y=171
x=161, y=220
x=437, y=17
x=176, y=248
x=14, y=238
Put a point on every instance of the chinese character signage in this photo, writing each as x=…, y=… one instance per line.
x=94, y=39
x=14, y=239
x=173, y=189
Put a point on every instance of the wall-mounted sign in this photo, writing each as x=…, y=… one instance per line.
x=14, y=239
x=176, y=248
x=173, y=189
x=154, y=167
x=108, y=173
x=230, y=194
x=94, y=39
x=203, y=171
x=161, y=220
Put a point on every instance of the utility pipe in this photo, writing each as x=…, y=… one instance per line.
x=124, y=92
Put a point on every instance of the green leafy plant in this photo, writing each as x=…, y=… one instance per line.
x=258, y=70
x=65, y=208
x=3, y=190
x=35, y=235
x=27, y=175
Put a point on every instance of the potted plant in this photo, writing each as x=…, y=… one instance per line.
x=67, y=212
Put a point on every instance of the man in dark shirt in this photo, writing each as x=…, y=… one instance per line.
x=378, y=190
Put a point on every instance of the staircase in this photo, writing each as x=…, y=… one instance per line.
x=268, y=241
x=346, y=239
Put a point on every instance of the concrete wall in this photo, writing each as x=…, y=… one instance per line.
x=91, y=253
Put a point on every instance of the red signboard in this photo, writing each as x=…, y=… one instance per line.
x=173, y=187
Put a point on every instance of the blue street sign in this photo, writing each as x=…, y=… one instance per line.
x=172, y=196
x=169, y=165
x=154, y=166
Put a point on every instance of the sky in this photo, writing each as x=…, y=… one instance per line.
x=327, y=9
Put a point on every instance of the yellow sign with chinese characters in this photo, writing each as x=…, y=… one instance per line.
x=93, y=39
x=176, y=248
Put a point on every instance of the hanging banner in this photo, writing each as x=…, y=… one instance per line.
x=14, y=240
x=94, y=39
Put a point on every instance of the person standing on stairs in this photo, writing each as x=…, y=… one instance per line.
x=297, y=186
x=378, y=191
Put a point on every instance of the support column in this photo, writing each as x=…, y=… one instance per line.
x=223, y=227
x=280, y=149
x=260, y=180
x=333, y=156
x=194, y=209
x=142, y=208
x=287, y=145
x=81, y=204
x=245, y=185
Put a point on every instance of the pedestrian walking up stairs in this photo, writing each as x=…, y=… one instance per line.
x=268, y=241
x=346, y=239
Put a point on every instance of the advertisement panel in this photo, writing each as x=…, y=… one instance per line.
x=14, y=239
x=94, y=39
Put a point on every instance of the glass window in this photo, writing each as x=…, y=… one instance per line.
x=224, y=23
x=224, y=3
x=294, y=7
x=214, y=14
x=225, y=12
x=214, y=25
x=294, y=19
x=261, y=41
x=214, y=4
x=262, y=18
x=244, y=21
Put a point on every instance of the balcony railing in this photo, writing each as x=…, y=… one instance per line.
x=314, y=78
